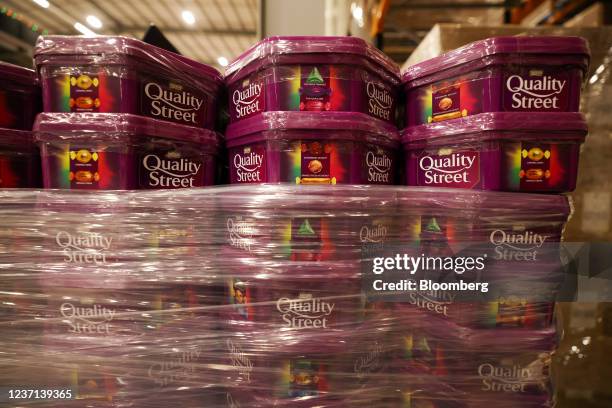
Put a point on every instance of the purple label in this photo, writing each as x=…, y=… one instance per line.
x=84, y=169
x=248, y=164
x=536, y=89
x=315, y=90
x=168, y=170
x=381, y=103
x=379, y=164
x=535, y=166
x=459, y=169
x=84, y=93
x=316, y=162
x=247, y=99
x=446, y=103
x=173, y=102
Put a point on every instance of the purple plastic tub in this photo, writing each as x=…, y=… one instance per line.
x=19, y=97
x=122, y=152
x=19, y=160
x=481, y=365
x=503, y=74
x=497, y=151
x=313, y=74
x=124, y=75
x=312, y=148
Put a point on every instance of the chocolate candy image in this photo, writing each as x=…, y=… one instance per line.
x=500, y=74
x=445, y=103
x=312, y=74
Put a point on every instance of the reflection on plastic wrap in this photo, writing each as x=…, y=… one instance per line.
x=251, y=296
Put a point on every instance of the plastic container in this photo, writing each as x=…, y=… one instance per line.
x=312, y=148
x=19, y=97
x=122, y=151
x=497, y=151
x=124, y=75
x=19, y=160
x=502, y=74
x=313, y=74
x=477, y=365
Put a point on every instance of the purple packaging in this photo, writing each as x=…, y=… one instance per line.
x=501, y=74
x=115, y=151
x=516, y=232
x=319, y=74
x=480, y=365
x=103, y=322
x=313, y=307
x=123, y=75
x=19, y=97
x=312, y=148
x=497, y=151
x=317, y=374
x=19, y=160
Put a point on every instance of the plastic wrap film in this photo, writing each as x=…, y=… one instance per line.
x=124, y=75
x=313, y=74
x=120, y=151
x=500, y=74
x=252, y=296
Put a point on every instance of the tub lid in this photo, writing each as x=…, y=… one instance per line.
x=16, y=138
x=88, y=122
x=309, y=45
x=16, y=73
x=545, y=123
x=539, y=45
x=108, y=45
x=310, y=120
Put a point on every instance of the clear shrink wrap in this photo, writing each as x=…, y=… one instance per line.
x=254, y=296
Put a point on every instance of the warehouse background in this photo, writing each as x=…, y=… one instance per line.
x=216, y=31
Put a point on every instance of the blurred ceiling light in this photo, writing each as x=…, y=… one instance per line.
x=188, y=17
x=83, y=30
x=357, y=12
x=94, y=22
x=42, y=3
x=223, y=61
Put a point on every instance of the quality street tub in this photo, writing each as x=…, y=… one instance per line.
x=119, y=74
x=121, y=152
x=311, y=148
x=19, y=97
x=497, y=151
x=19, y=159
x=313, y=74
x=514, y=74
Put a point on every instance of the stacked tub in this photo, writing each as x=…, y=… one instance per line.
x=306, y=111
x=19, y=103
x=123, y=114
x=312, y=110
x=498, y=114
x=106, y=294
